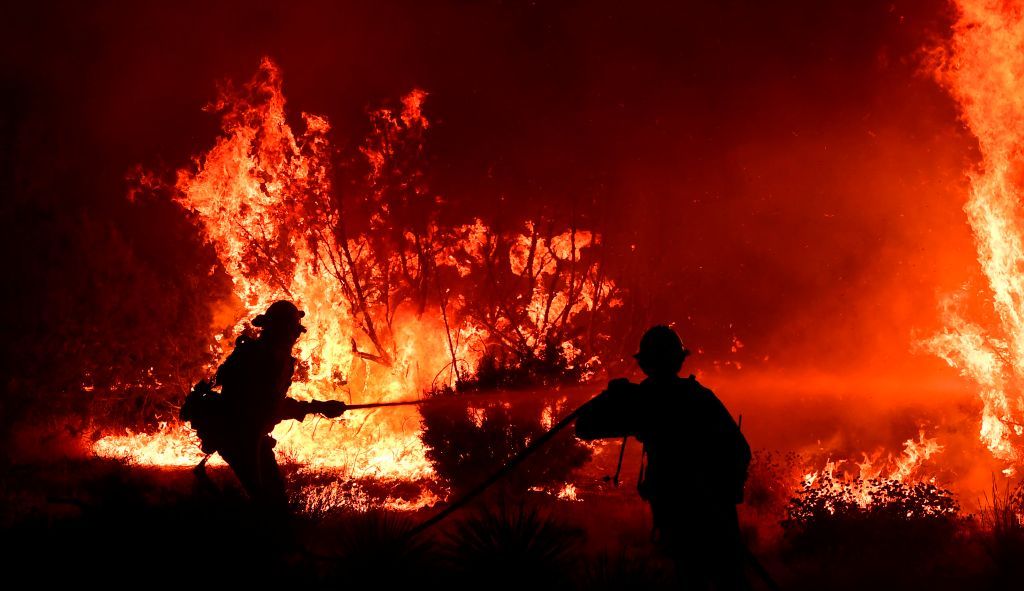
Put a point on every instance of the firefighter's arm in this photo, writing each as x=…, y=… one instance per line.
x=298, y=409
x=608, y=414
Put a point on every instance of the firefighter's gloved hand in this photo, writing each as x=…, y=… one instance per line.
x=620, y=389
x=333, y=408
x=606, y=415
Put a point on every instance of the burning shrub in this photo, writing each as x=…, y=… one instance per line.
x=828, y=499
x=499, y=370
x=830, y=515
x=867, y=532
x=370, y=269
x=397, y=303
x=880, y=486
x=467, y=445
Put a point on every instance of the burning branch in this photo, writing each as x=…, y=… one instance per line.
x=377, y=264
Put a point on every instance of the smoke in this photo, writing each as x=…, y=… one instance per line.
x=783, y=184
x=783, y=175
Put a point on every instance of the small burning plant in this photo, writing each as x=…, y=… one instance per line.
x=830, y=499
x=464, y=447
x=874, y=503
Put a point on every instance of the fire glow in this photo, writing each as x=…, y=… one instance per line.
x=389, y=312
x=865, y=480
x=984, y=71
x=388, y=320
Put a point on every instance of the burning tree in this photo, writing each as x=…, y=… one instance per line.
x=264, y=197
x=983, y=71
x=397, y=303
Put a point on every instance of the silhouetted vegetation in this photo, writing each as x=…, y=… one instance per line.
x=104, y=523
x=828, y=500
x=905, y=538
x=468, y=444
x=371, y=548
x=1004, y=518
x=513, y=546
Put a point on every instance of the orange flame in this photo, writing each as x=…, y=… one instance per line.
x=866, y=483
x=262, y=198
x=984, y=71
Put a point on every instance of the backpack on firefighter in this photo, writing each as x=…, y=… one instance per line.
x=203, y=409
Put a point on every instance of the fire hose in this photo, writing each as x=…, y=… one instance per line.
x=497, y=475
x=500, y=473
x=514, y=462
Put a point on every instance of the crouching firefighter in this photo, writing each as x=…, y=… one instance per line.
x=695, y=461
x=254, y=381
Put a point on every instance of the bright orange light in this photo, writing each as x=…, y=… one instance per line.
x=262, y=197
x=984, y=71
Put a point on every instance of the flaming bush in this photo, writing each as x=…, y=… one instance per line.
x=396, y=303
x=878, y=482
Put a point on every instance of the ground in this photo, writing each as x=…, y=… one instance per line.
x=100, y=521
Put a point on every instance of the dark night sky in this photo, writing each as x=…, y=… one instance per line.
x=786, y=171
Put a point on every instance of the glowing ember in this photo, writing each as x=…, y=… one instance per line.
x=984, y=71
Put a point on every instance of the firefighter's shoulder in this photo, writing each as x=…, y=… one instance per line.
x=694, y=386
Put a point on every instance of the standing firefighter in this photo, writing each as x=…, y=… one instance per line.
x=696, y=460
x=254, y=381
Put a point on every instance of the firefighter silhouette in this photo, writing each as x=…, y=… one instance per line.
x=254, y=382
x=695, y=460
